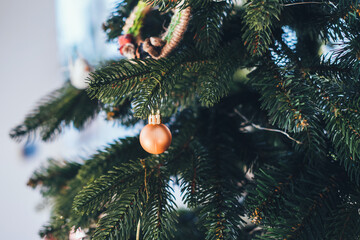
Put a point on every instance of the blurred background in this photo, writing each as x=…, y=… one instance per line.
x=36, y=42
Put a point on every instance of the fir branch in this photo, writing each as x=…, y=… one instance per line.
x=212, y=86
x=323, y=202
x=107, y=188
x=331, y=23
x=276, y=95
x=208, y=23
x=121, y=151
x=336, y=112
x=115, y=154
x=349, y=56
x=341, y=115
x=344, y=221
x=290, y=108
x=159, y=217
x=220, y=209
x=300, y=204
x=141, y=80
x=259, y=18
x=194, y=174
x=56, y=228
x=268, y=195
x=119, y=219
x=64, y=107
x=332, y=70
x=147, y=82
x=54, y=177
x=63, y=181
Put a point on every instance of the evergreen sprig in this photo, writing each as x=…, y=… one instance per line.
x=259, y=18
x=64, y=180
x=340, y=113
x=147, y=83
x=54, y=177
x=107, y=188
x=159, y=215
x=296, y=213
x=117, y=153
x=191, y=177
x=208, y=21
x=289, y=108
x=220, y=209
x=344, y=221
x=63, y=107
x=120, y=218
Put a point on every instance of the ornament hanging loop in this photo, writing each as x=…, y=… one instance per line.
x=154, y=118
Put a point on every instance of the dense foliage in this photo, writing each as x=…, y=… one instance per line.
x=269, y=88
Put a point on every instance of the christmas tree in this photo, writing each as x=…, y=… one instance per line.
x=262, y=100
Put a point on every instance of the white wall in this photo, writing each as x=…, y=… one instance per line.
x=28, y=70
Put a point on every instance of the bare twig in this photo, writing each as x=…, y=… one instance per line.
x=265, y=129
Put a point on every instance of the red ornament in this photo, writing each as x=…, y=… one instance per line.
x=123, y=40
x=155, y=137
x=48, y=237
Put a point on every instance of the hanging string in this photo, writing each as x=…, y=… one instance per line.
x=147, y=198
x=145, y=179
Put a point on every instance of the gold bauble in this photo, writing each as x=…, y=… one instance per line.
x=155, y=137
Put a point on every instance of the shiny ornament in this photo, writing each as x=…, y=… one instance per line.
x=155, y=137
x=79, y=72
x=48, y=237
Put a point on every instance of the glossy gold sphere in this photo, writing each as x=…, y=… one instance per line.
x=155, y=138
